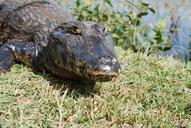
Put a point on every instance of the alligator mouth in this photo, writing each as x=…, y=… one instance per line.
x=103, y=75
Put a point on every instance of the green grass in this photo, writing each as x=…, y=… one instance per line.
x=150, y=92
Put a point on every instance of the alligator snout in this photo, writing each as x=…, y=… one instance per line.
x=105, y=70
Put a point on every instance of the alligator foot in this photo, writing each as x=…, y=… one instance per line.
x=6, y=59
x=23, y=52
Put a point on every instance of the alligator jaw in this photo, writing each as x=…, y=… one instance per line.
x=103, y=77
x=103, y=73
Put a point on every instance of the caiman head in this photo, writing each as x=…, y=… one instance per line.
x=83, y=50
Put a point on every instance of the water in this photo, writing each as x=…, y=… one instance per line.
x=177, y=17
x=177, y=13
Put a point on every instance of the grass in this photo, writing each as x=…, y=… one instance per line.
x=150, y=92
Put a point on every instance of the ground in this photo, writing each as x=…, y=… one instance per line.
x=150, y=92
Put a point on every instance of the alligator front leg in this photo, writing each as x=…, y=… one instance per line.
x=24, y=52
x=6, y=59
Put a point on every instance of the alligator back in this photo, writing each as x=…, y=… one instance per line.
x=30, y=20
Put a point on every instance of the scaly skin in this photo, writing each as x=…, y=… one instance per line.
x=24, y=20
x=44, y=36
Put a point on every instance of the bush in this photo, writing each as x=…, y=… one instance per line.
x=125, y=25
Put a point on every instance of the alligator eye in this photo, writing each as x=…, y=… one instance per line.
x=70, y=28
x=76, y=30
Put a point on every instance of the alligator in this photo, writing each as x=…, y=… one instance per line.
x=46, y=37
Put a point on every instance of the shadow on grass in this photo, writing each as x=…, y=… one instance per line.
x=75, y=87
